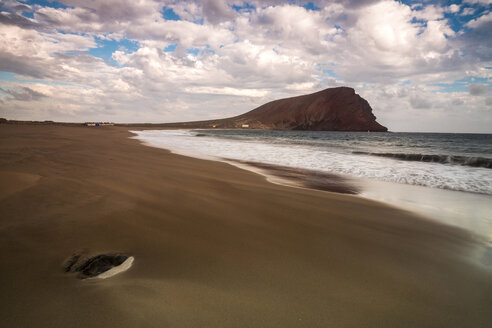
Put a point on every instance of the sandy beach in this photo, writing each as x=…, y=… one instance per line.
x=213, y=245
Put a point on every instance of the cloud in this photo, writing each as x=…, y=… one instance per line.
x=429, y=13
x=385, y=43
x=18, y=20
x=17, y=64
x=477, y=89
x=39, y=54
x=219, y=60
x=114, y=11
x=477, y=42
x=454, y=8
x=291, y=26
x=111, y=16
x=228, y=91
x=216, y=11
x=482, y=20
x=15, y=6
x=457, y=102
x=419, y=102
x=23, y=94
x=481, y=2
x=467, y=11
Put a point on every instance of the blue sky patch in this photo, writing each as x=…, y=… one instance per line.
x=329, y=72
x=474, y=79
x=106, y=48
x=46, y=3
x=193, y=51
x=326, y=71
x=451, y=87
x=7, y=76
x=169, y=14
x=311, y=6
x=171, y=47
x=245, y=7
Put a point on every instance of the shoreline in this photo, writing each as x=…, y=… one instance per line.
x=445, y=206
x=377, y=191
x=300, y=178
x=372, y=190
x=216, y=246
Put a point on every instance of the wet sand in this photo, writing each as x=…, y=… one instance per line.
x=297, y=177
x=465, y=210
x=213, y=245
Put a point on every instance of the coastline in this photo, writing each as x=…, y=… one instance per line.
x=469, y=210
x=213, y=245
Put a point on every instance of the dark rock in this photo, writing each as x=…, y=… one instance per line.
x=70, y=262
x=94, y=266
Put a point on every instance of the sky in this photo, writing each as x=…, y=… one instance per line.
x=424, y=66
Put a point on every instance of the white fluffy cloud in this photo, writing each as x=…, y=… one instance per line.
x=219, y=60
x=454, y=8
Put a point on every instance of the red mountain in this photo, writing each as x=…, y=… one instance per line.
x=334, y=109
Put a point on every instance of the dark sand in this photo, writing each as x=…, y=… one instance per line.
x=303, y=178
x=214, y=246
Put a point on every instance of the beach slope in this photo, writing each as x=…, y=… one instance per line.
x=213, y=245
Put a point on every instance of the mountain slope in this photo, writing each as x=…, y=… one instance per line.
x=333, y=109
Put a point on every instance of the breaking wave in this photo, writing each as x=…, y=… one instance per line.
x=349, y=154
x=441, y=159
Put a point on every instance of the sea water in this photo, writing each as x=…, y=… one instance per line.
x=447, y=177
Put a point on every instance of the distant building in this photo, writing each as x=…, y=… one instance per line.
x=98, y=124
x=245, y=126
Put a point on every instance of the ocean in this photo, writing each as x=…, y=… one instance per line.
x=442, y=176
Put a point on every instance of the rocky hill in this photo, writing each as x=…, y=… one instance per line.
x=334, y=109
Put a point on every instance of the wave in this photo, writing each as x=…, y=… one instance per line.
x=441, y=159
x=471, y=176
